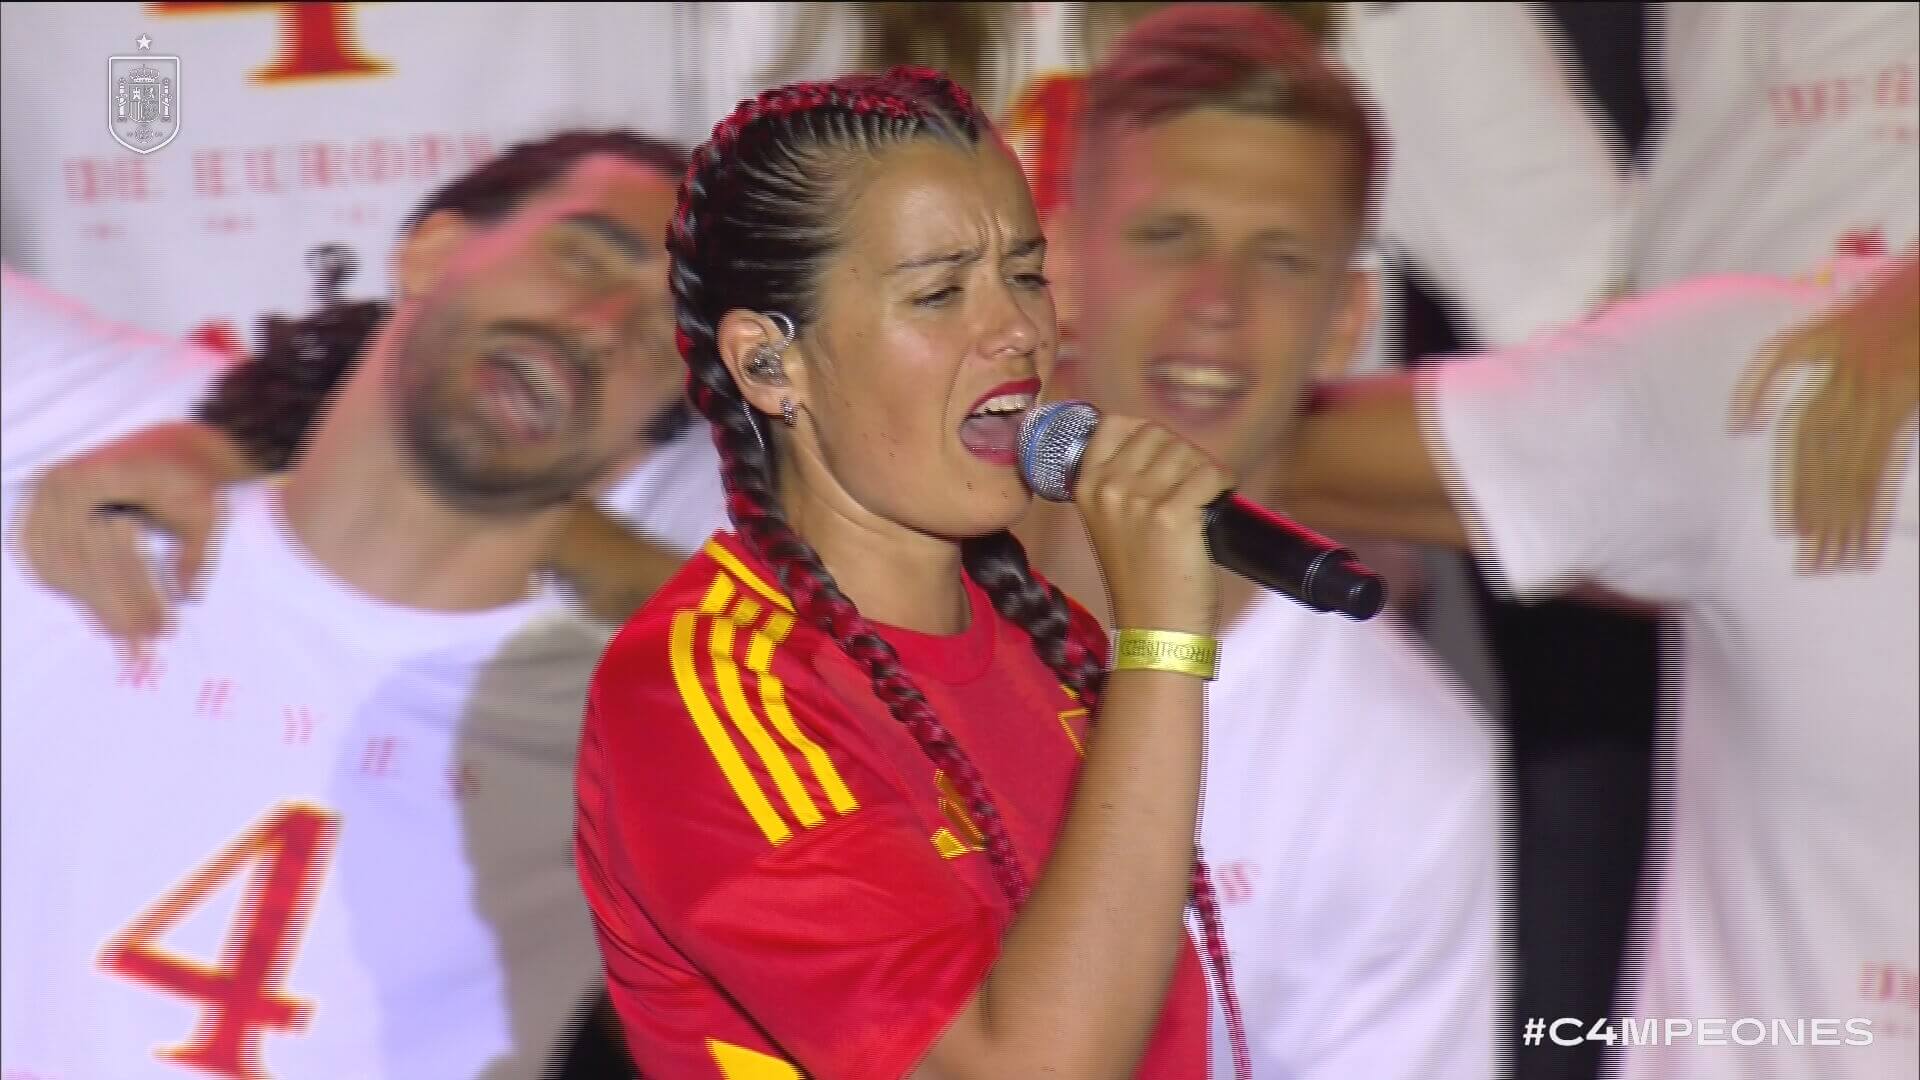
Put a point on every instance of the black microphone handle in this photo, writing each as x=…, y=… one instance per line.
x=1289, y=558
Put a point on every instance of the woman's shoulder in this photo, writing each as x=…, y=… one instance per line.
x=757, y=724
x=721, y=596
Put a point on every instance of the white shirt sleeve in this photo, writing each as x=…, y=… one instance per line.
x=70, y=381
x=675, y=496
x=1501, y=183
x=1600, y=453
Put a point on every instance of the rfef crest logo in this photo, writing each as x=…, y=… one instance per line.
x=143, y=98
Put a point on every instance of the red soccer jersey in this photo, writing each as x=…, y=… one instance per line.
x=783, y=883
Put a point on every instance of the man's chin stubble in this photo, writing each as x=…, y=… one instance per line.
x=450, y=474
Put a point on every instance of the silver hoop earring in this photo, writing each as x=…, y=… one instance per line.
x=789, y=412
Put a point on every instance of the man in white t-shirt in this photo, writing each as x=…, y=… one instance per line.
x=1354, y=797
x=1791, y=887
x=322, y=827
x=1786, y=894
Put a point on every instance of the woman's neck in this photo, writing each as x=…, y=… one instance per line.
x=895, y=576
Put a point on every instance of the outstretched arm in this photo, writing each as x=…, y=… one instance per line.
x=79, y=533
x=613, y=569
x=1361, y=465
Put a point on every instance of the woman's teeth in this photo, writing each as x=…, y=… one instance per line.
x=1004, y=404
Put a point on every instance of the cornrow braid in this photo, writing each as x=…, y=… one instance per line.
x=1213, y=932
x=753, y=230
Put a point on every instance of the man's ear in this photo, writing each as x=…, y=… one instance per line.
x=428, y=251
x=1347, y=332
x=741, y=335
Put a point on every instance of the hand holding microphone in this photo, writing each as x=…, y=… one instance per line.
x=1143, y=493
x=1058, y=439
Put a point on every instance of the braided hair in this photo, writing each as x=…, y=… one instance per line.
x=268, y=404
x=753, y=230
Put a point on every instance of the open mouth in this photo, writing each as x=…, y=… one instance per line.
x=991, y=429
x=529, y=388
x=1197, y=391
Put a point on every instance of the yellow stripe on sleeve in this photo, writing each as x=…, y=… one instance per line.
x=719, y=744
x=949, y=847
x=1066, y=724
x=752, y=580
x=727, y=674
x=740, y=1063
x=746, y=612
x=773, y=695
x=717, y=596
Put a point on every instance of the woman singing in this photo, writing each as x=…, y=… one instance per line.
x=845, y=808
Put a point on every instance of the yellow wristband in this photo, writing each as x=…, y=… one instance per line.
x=1167, y=650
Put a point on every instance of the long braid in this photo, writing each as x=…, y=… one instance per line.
x=788, y=127
x=998, y=564
x=1213, y=932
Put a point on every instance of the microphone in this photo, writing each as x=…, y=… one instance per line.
x=1249, y=540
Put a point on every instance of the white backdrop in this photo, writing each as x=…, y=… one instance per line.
x=325, y=123
x=310, y=124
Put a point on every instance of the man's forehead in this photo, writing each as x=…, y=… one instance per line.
x=612, y=170
x=632, y=191
x=1226, y=154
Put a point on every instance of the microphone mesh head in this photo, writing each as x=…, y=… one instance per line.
x=1052, y=439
